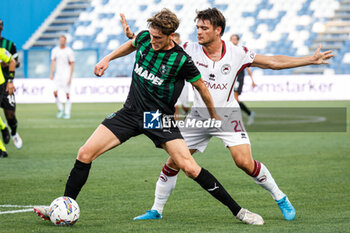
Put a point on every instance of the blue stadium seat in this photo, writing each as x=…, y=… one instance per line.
x=266, y=26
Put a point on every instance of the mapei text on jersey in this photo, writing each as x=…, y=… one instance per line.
x=148, y=75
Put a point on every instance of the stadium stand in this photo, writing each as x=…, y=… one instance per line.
x=289, y=27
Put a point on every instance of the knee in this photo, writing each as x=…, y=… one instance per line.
x=245, y=163
x=191, y=170
x=85, y=155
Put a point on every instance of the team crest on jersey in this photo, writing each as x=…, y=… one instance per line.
x=225, y=69
x=164, y=70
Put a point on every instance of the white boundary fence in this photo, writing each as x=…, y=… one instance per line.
x=269, y=88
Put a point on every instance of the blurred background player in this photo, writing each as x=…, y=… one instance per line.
x=239, y=85
x=6, y=57
x=182, y=101
x=8, y=101
x=62, y=61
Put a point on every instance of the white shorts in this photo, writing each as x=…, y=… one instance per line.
x=61, y=85
x=231, y=136
x=183, y=98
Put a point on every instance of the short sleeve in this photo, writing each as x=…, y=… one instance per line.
x=5, y=55
x=53, y=54
x=13, y=50
x=141, y=37
x=189, y=70
x=71, y=55
x=247, y=56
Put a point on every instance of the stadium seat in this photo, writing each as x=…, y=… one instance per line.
x=288, y=27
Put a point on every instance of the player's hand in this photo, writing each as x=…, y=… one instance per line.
x=101, y=67
x=320, y=58
x=10, y=88
x=51, y=77
x=253, y=84
x=215, y=115
x=126, y=28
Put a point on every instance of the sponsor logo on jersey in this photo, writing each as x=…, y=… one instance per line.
x=152, y=120
x=216, y=86
x=148, y=75
x=243, y=135
x=201, y=64
x=212, y=77
x=225, y=69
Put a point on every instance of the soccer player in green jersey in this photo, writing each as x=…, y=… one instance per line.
x=6, y=57
x=8, y=102
x=160, y=69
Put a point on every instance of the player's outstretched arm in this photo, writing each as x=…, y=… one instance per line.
x=279, y=62
x=126, y=28
x=122, y=51
x=206, y=96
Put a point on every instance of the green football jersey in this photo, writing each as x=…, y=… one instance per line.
x=158, y=76
x=11, y=47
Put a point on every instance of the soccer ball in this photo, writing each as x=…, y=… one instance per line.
x=64, y=211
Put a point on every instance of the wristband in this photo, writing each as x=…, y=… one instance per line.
x=131, y=37
x=11, y=75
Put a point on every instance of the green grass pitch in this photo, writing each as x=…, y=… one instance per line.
x=312, y=168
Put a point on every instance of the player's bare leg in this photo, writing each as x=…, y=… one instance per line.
x=99, y=142
x=59, y=105
x=242, y=156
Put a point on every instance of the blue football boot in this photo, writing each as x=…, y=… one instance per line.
x=286, y=207
x=150, y=214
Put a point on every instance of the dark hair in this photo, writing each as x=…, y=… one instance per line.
x=214, y=16
x=165, y=21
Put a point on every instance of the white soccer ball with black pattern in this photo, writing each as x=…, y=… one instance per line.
x=64, y=211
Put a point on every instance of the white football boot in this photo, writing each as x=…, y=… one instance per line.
x=249, y=218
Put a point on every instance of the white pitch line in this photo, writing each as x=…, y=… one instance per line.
x=20, y=206
x=17, y=206
x=16, y=211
